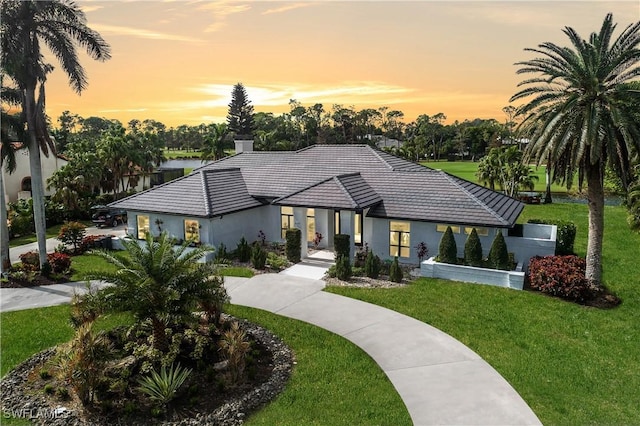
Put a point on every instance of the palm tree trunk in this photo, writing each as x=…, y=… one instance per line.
x=37, y=186
x=547, y=174
x=5, y=262
x=595, y=198
x=159, y=336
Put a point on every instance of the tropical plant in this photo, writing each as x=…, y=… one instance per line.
x=8, y=124
x=581, y=115
x=61, y=25
x=234, y=346
x=158, y=282
x=213, y=146
x=162, y=387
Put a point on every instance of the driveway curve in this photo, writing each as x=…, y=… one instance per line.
x=440, y=380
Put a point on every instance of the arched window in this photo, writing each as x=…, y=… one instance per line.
x=26, y=184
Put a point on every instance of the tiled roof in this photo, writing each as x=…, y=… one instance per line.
x=348, y=192
x=330, y=176
x=206, y=194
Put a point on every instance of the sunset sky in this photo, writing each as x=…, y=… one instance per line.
x=176, y=61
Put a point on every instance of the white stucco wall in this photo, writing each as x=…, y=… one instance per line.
x=13, y=181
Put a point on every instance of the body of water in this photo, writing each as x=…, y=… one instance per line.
x=184, y=163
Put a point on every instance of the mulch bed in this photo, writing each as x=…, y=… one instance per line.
x=37, y=280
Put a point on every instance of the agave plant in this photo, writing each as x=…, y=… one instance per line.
x=162, y=387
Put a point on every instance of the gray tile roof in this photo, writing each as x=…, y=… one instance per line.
x=330, y=176
x=347, y=192
x=206, y=194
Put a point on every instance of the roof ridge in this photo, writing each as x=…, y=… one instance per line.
x=376, y=153
x=354, y=204
x=304, y=189
x=205, y=192
x=455, y=180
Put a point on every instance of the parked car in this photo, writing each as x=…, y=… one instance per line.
x=529, y=197
x=106, y=216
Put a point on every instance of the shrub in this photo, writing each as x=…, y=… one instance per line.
x=258, y=257
x=221, y=254
x=243, y=250
x=342, y=245
x=448, y=250
x=498, y=254
x=561, y=276
x=72, y=233
x=395, y=272
x=473, y=249
x=162, y=387
x=30, y=261
x=361, y=255
x=565, y=237
x=59, y=262
x=343, y=268
x=317, y=240
x=372, y=265
x=276, y=261
x=293, y=243
x=422, y=250
x=89, y=242
x=234, y=347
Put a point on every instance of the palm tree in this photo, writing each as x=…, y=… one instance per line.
x=489, y=169
x=214, y=143
x=579, y=115
x=8, y=161
x=61, y=25
x=160, y=283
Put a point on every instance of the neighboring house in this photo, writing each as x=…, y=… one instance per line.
x=384, y=201
x=17, y=185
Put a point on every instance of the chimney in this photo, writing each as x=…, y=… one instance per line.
x=243, y=145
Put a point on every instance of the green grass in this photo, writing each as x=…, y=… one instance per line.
x=235, y=271
x=572, y=364
x=334, y=382
x=467, y=170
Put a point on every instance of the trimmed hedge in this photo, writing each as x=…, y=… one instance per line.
x=473, y=249
x=342, y=245
x=565, y=237
x=498, y=255
x=292, y=248
x=448, y=250
x=561, y=276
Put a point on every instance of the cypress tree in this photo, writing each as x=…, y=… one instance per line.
x=473, y=250
x=395, y=272
x=448, y=250
x=498, y=255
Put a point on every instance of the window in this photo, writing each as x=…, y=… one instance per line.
x=25, y=185
x=336, y=221
x=143, y=226
x=399, y=239
x=286, y=220
x=311, y=225
x=357, y=234
x=443, y=228
x=191, y=230
x=482, y=232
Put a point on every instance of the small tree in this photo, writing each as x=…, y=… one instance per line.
x=343, y=268
x=498, y=255
x=72, y=233
x=372, y=265
x=258, y=257
x=341, y=244
x=243, y=250
x=448, y=250
x=421, y=250
x=293, y=244
x=473, y=250
x=395, y=272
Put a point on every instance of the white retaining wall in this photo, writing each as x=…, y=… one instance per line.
x=508, y=279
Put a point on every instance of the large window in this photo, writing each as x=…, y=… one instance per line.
x=442, y=228
x=311, y=225
x=399, y=239
x=192, y=230
x=143, y=226
x=357, y=234
x=286, y=220
x=483, y=232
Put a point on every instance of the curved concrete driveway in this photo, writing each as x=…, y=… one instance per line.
x=440, y=380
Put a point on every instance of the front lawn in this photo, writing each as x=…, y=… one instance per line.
x=572, y=364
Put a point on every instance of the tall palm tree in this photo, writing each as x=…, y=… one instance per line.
x=579, y=115
x=9, y=124
x=61, y=25
x=214, y=143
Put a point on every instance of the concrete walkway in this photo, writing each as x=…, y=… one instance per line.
x=440, y=380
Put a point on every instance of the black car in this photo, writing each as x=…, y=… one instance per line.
x=106, y=216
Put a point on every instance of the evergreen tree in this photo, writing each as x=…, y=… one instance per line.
x=498, y=255
x=448, y=250
x=473, y=250
x=240, y=116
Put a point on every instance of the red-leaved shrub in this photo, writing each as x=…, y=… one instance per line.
x=59, y=262
x=561, y=276
x=89, y=242
x=30, y=261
